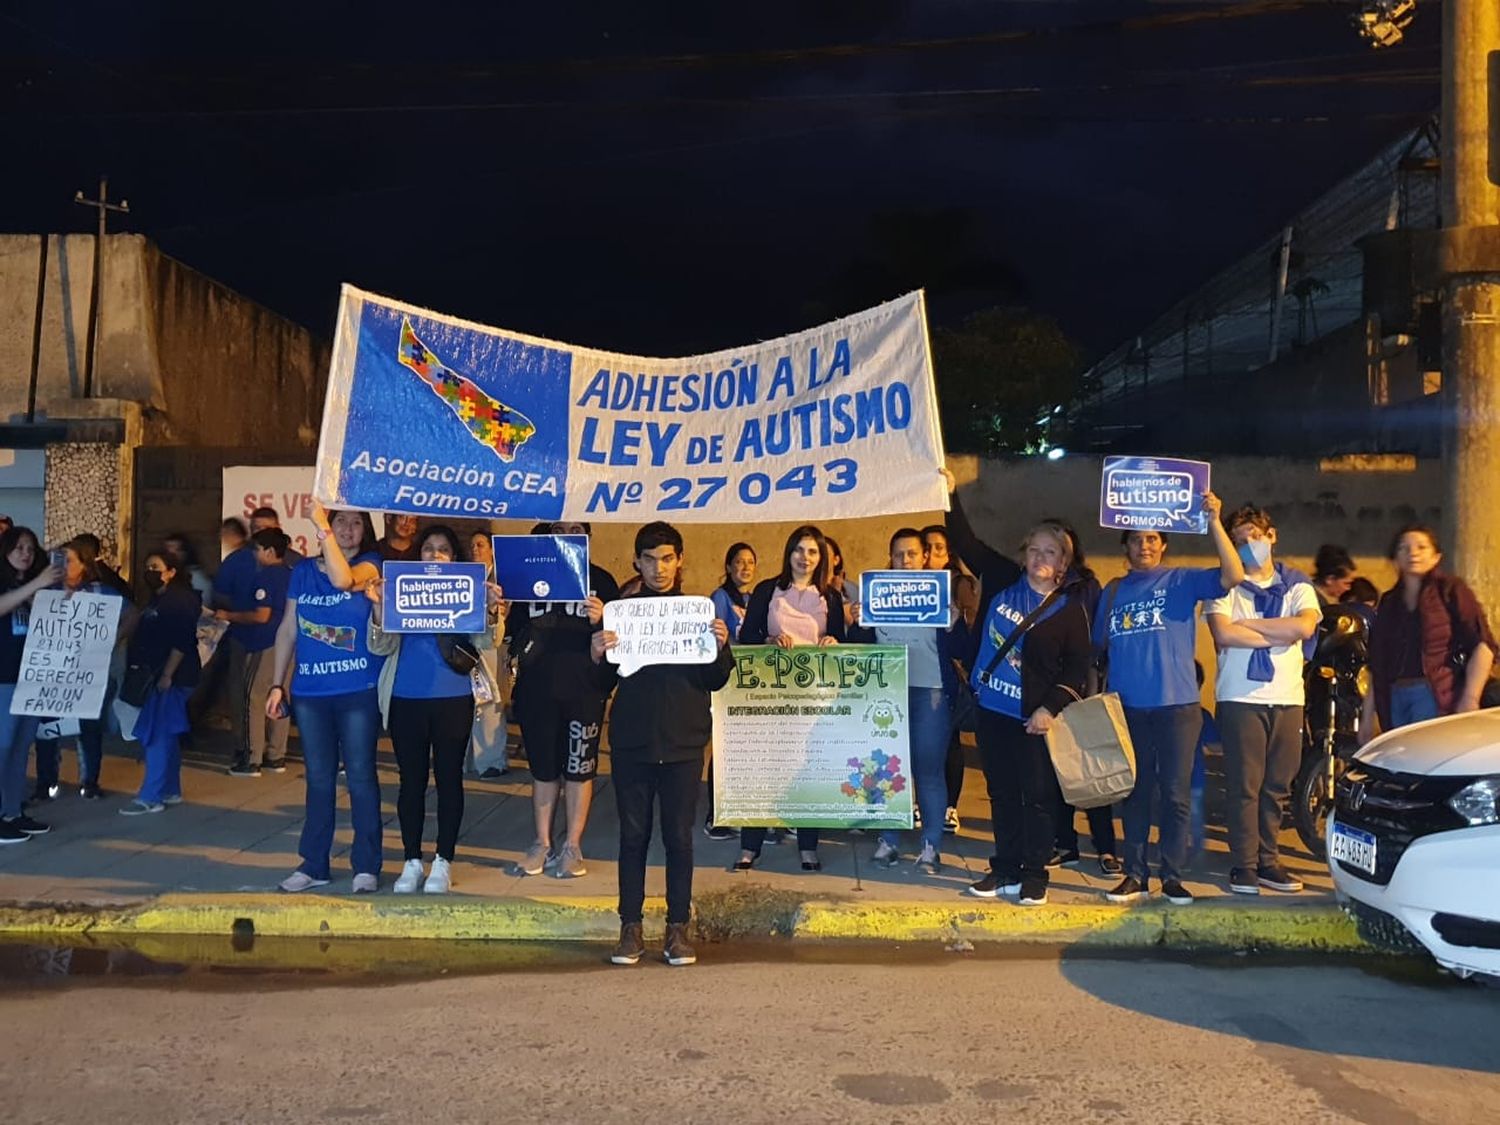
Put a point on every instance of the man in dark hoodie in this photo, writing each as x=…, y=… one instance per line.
x=657, y=730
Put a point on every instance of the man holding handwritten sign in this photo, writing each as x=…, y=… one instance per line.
x=666, y=655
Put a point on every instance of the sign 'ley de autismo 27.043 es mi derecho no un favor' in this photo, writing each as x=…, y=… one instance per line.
x=433, y=597
x=1153, y=494
x=65, y=662
x=438, y=416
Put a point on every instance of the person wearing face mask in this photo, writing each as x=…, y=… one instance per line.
x=1147, y=629
x=1258, y=628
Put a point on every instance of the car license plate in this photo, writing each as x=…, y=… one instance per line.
x=1354, y=847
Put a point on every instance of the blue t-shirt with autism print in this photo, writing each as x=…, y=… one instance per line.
x=1149, y=622
x=333, y=654
x=1001, y=690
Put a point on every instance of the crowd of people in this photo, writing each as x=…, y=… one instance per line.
x=301, y=640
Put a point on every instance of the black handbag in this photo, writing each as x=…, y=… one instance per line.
x=137, y=684
x=458, y=653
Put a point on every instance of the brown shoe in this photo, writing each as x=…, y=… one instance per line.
x=630, y=947
x=676, y=949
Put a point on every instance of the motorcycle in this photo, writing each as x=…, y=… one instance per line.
x=1337, y=677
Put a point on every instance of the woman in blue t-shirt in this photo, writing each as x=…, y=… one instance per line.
x=429, y=709
x=23, y=571
x=326, y=627
x=1043, y=671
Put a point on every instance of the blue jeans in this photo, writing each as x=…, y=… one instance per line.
x=163, y=753
x=339, y=727
x=1412, y=703
x=16, y=735
x=930, y=725
x=1165, y=740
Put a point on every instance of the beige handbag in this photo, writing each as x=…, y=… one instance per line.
x=1091, y=751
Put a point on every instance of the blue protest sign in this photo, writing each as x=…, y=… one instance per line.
x=904, y=597
x=433, y=597
x=542, y=568
x=1153, y=493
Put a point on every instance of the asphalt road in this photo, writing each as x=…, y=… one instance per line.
x=807, y=1039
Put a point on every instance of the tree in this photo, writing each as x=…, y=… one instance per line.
x=1000, y=376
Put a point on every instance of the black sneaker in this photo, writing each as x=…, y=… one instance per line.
x=10, y=834
x=243, y=768
x=278, y=766
x=630, y=947
x=717, y=831
x=1109, y=865
x=676, y=950
x=1129, y=889
x=29, y=826
x=493, y=773
x=1278, y=878
x=90, y=791
x=1060, y=857
x=1174, y=892
x=1033, y=893
x=44, y=793
x=991, y=886
x=1242, y=881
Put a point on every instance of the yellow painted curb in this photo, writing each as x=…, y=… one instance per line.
x=748, y=914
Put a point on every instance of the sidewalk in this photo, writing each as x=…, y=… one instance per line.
x=216, y=859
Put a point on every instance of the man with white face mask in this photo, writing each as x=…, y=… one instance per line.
x=1258, y=628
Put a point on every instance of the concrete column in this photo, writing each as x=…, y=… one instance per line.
x=1471, y=292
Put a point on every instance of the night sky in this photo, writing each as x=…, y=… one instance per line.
x=668, y=178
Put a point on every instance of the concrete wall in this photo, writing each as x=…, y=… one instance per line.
x=208, y=366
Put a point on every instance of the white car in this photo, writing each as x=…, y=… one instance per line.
x=1415, y=839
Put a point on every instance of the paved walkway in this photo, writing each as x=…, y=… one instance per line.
x=240, y=835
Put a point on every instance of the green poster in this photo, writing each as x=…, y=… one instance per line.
x=813, y=737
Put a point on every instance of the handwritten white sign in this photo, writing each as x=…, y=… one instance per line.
x=674, y=630
x=65, y=664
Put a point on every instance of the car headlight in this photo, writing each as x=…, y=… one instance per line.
x=1478, y=803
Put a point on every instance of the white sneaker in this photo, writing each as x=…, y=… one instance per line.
x=365, y=884
x=299, y=881
x=441, y=878
x=410, y=876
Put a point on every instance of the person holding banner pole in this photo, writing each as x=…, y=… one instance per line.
x=802, y=605
x=489, y=740
x=932, y=689
x=428, y=706
x=322, y=647
x=731, y=598
x=165, y=641
x=659, y=724
x=1148, y=628
x=23, y=571
x=1033, y=660
x=561, y=713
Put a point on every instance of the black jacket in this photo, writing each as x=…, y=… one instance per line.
x=755, y=630
x=550, y=642
x=661, y=713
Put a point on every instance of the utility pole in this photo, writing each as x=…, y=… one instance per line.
x=1469, y=264
x=104, y=207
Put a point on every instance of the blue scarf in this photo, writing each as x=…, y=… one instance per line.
x=1269, y=601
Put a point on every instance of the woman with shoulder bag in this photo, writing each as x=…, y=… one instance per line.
x=1033, y=661
x=166, y=642
x=427, y=701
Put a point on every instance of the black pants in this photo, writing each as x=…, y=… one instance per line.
x=953, y=770
x=751, y=839
x=435, y=733
x=1101, y=828
x=1023, y=797
x=673, y=787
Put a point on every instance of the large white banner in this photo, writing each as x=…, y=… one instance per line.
x=287, y=488
x=438, y=416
